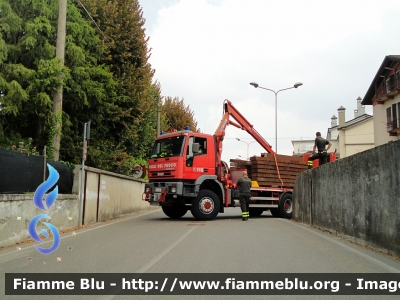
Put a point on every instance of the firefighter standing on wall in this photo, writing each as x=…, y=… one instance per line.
x=244, y=185
x=322, y=154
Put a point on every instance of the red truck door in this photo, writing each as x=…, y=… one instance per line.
x=200, y=163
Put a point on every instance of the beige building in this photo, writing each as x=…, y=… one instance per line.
x=356, y=135
x=384, y=95
x=347, y=138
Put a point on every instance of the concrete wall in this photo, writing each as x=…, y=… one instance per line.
x=16, y=211
x=107, y=196
x=356, y=197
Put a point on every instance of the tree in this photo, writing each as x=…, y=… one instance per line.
x=127, y=55
x=27, y=62
x=30, y=73
x=106, y=78
x=178, y=115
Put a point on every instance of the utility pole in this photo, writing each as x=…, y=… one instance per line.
x=158, y=117
x=82, y=190
x=58, y=94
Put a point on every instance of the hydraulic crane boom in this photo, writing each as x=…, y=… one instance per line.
x=230, y=111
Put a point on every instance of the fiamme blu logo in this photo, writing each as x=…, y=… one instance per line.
x=39, y=203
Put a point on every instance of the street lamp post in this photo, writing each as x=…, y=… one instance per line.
x=1, y=104
x=158, y=116
x=248, y=145
x=296, y=85
x=1, y=125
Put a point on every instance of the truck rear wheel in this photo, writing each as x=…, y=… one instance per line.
x=286, y=206
x=255, y=211
x=175, y=211
x=206, y=206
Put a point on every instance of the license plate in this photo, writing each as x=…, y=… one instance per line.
x=158, y=190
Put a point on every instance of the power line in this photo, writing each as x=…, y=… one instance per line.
x=93, y=20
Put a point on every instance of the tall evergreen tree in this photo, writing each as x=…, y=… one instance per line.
x=30, y=73
x=106, y=78
x=127, y=55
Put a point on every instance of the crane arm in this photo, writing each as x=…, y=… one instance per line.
x=242, y=123
x=230, y=111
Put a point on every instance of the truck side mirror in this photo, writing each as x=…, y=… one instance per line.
x=195, y=147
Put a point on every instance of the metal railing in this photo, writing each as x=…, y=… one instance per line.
x=385, y=89
x=393, y=124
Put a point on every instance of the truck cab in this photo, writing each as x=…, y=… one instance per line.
x=181, y=164
x=172, y=156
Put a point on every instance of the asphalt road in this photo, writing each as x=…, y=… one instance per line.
x=149, y=242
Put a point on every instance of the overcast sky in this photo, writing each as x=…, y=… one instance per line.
x=206, y=51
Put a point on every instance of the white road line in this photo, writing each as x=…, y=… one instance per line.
x=383, y=265
x=155, y=260
x=163, y=253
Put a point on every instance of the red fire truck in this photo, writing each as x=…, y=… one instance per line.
x=186, y=172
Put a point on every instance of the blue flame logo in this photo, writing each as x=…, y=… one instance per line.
x=38, y=201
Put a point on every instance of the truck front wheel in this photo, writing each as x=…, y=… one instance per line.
x=206, y=206
x=175, y=211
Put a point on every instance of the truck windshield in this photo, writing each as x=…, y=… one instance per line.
x=167, y=147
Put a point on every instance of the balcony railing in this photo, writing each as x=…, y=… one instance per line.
x=385, y=89
x=393, y=125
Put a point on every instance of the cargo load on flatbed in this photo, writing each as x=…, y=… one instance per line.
x=272, y=170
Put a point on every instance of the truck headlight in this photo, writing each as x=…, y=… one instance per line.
x=173, y=189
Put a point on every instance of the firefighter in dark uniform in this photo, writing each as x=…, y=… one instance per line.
x=322, y=154
x=244, y=185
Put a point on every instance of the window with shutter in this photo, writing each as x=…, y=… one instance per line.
x=394, y=116
x=389, y=118
x=397, y=83
x=398, y=115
